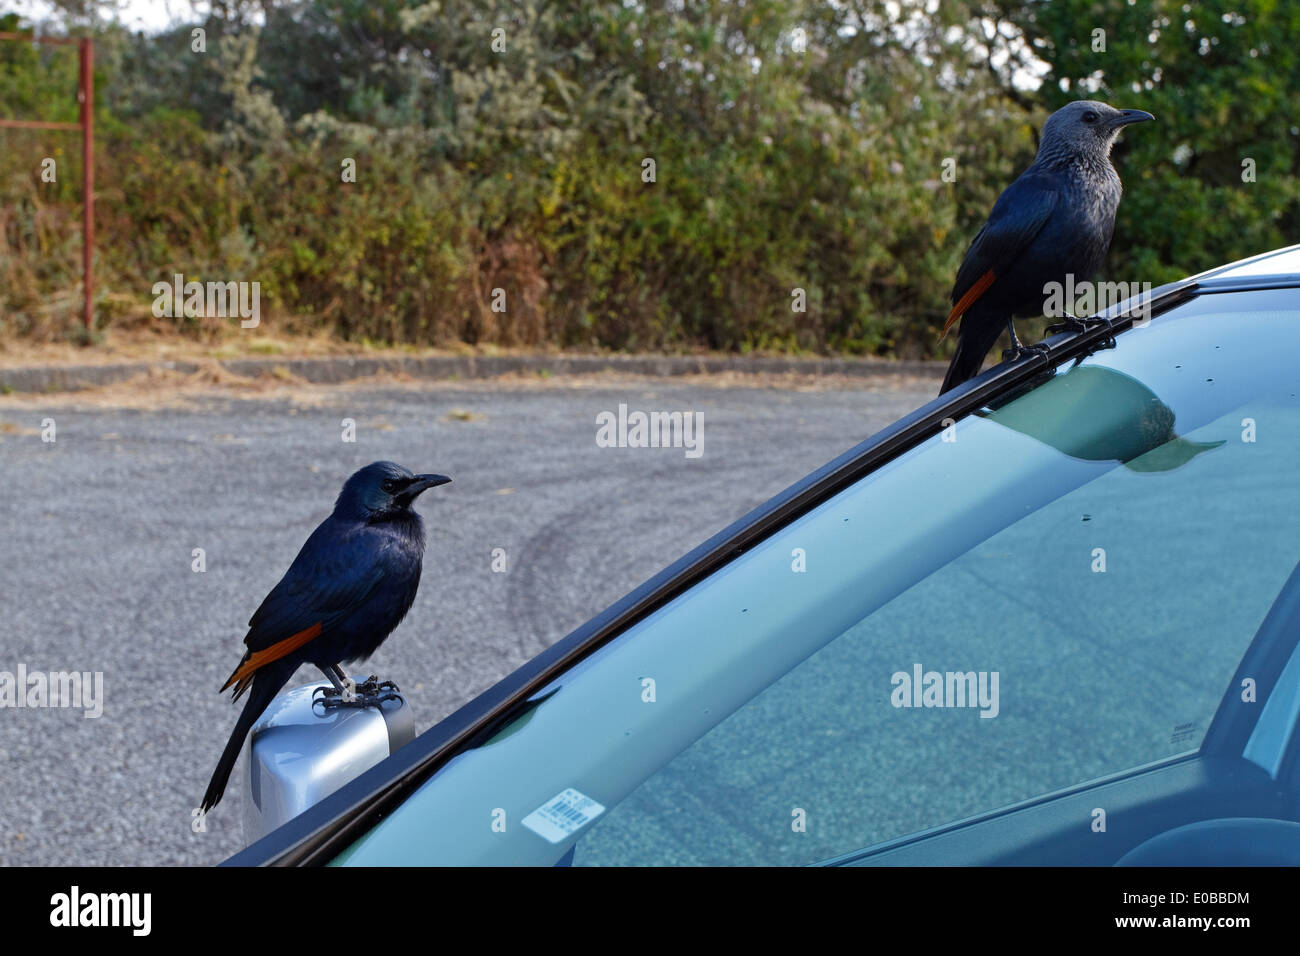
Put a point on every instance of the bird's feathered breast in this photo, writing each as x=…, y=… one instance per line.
x=1057, y=216
x=339, y=567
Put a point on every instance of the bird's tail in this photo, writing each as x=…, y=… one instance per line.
x=266, y=683
x=973, y=344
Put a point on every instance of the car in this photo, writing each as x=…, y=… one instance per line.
x=1050, y=618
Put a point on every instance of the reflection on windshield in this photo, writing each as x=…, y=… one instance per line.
x=1100, y=414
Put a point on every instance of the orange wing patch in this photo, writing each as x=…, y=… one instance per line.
x=243, y=674
x=965, y=302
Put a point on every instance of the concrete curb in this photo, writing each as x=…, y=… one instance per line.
x=335, y=369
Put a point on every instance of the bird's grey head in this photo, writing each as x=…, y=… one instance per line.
x=382, y=488
x=1084, y=129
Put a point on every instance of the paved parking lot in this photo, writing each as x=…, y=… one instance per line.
x=100, y=527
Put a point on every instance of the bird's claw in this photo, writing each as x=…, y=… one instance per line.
x=1074, y=324
x=1018, y=350
x=372, y=686
x=371, y=692
x=1069, y=325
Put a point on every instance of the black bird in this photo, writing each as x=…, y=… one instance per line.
x=1055, y=219
x=350, y=586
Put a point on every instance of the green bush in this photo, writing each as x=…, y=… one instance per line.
x=514, y=161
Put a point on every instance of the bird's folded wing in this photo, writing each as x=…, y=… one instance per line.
x=327, y=581
x=254, y=660
x=1018, y=216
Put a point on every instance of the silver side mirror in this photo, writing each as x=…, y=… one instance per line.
x=299, y=753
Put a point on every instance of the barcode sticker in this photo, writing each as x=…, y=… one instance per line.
x=563, y=815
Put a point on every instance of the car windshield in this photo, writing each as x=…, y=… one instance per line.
x=1053, y=590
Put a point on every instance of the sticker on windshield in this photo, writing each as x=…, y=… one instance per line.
x=563, y=815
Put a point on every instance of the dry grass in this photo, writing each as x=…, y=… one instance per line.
x=152, y=345
x=163, y=388
x=160, y=389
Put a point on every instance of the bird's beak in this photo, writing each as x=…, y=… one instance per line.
x=422, y=483
x=1127, y=117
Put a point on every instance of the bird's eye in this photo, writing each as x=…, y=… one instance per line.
x=388, y=485
x=1090, y=117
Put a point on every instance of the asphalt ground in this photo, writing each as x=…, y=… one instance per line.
x=99, y=529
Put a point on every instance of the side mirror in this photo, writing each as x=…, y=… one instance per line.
x=299, y=752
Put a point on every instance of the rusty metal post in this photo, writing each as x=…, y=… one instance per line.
x=87, y=96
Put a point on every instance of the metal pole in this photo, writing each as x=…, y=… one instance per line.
x=87, y=97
